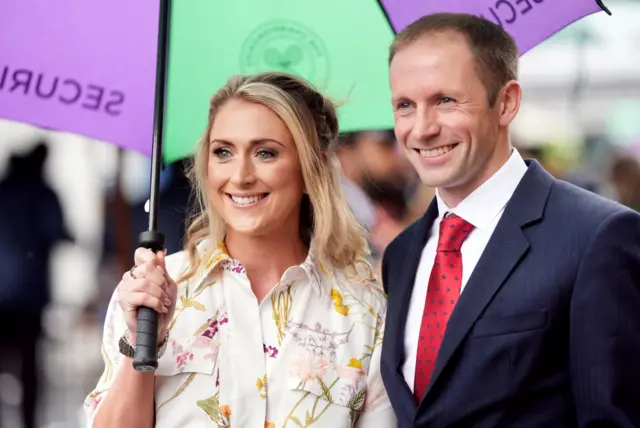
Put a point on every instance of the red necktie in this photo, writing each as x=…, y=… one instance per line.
x=442, y=295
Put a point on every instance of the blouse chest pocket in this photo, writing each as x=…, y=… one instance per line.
x=195, y=354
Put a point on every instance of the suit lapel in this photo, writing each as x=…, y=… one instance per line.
x=504, y=251
x=400, y=296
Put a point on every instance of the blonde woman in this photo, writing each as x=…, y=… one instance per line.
x=274, y=319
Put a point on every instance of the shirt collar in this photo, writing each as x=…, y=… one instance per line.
x=484, y=204
x=212, y=256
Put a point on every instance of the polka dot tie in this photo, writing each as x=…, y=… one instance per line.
x=442, y=295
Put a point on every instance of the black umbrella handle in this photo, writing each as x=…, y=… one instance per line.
x=146, y=346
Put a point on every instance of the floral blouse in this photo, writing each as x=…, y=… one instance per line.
x=308, y=355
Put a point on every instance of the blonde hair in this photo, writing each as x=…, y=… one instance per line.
x=338, y=239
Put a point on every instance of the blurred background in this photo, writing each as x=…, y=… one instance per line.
x=80, y=203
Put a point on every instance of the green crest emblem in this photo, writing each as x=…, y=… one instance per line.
x=288, y=47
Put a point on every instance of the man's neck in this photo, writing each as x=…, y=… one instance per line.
x=454, y=195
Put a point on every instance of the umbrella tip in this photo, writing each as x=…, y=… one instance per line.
x=603, y=7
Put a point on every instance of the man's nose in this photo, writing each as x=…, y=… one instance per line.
x=426, y=125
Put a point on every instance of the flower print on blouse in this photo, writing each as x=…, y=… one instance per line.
x=308, y=355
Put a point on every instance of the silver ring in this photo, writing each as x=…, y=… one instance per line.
x=131, y=271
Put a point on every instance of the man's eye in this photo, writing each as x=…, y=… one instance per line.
x=446, y=100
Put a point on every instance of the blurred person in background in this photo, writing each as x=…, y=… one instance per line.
x=516, y=297
x=377, y=182
x=555, y=169
x=271, y=316
x=31, y=225
x=625, y=175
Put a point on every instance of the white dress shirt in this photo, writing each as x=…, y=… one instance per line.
x=483, y=208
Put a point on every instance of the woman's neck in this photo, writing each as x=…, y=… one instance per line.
x=266, y=258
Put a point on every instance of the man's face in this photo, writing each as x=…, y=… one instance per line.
x=443, y=120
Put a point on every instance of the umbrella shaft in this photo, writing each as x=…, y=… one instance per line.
x=158, y=119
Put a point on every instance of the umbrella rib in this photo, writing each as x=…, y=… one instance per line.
x=386, y=15
x=603, y=7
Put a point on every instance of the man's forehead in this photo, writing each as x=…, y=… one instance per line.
x=432, y=64
x=435, y=48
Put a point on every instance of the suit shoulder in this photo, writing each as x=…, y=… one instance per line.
x=582, y=205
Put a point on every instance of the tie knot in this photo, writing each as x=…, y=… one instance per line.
x=453, y=231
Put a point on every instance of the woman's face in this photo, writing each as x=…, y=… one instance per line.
x=254, y=179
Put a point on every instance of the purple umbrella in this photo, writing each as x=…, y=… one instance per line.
x=529, y=22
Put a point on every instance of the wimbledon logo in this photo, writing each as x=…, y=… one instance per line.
x=288, y=47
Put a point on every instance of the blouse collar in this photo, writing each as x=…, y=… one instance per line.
x=213, y=256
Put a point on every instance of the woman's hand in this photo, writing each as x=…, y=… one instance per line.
x=147, y=284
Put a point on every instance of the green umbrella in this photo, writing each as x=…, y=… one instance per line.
x=211, y=40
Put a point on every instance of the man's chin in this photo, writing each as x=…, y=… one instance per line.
x=437, y=178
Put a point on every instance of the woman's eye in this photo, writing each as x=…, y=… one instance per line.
x=221, y=153
x=265, y=154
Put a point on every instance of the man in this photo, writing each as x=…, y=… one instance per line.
x=536, y=280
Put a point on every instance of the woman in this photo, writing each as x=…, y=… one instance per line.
x=278, y=322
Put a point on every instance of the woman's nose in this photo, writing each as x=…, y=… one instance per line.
x=244, y=172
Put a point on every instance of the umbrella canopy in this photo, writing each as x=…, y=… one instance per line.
x=529, y=21
x=89, y=67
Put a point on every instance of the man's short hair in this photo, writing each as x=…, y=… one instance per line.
x=494, y=50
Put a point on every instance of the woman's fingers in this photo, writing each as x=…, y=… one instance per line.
x=147, y=284
x=144, y=286
x=155, y=274
x=161, y=258
x=135, y=299
x=144, y=255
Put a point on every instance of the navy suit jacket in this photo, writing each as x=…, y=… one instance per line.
x=547, y=331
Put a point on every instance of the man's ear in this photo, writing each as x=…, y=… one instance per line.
x=509, y=102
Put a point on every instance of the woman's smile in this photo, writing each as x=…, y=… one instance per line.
x=247, y=201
